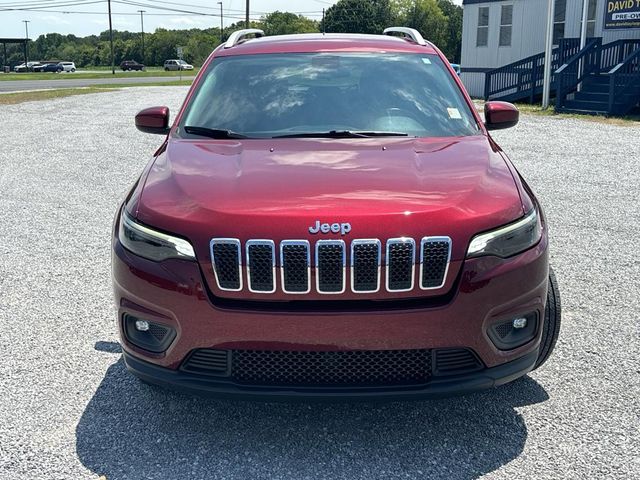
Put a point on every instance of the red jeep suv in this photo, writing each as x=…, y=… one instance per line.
x=328, y=217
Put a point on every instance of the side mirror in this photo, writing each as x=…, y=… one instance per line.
x=498, y=115
x=153, y=120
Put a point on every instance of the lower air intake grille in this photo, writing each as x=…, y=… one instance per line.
x=343, y=368
x=455, y=361
x=208, y=362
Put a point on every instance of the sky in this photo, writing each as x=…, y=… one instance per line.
x=46, y=16
x=125, y=16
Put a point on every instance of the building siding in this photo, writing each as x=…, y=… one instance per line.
x=527, y=35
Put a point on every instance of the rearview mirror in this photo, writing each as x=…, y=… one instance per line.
x=498, y=115
x=153, y=120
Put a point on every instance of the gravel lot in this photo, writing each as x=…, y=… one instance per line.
x=68, y=408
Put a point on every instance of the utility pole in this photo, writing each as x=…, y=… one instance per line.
x=221, y=24
x=113, y=66
x=142, y=29
x=546, y=81
x=26, y=43
x=247, y=15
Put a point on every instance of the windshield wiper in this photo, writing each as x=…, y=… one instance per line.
x=342, y=134
x=213, y=132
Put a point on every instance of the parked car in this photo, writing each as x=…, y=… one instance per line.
x=29, y=67
x=68, y=66
x=128, y=65
x=49, y=67
x=53, y=67
x=385, y=247
x=174, y=65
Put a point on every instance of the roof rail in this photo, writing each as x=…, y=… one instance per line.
x=239, y=35
x=411, y=33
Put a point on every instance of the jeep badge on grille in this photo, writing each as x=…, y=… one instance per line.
x=342, y=228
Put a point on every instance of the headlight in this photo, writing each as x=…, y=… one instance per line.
x=508, y=240
x=151, y=244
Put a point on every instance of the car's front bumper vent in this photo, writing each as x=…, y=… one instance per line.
x=455, y=361
x=344, y=368
x=293, y=260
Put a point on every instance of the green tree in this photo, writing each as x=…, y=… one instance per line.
x=358, y=16
x=453, y=44
x=282, y=23
x=426, y=17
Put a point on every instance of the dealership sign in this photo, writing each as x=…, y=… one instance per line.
x=622, y=14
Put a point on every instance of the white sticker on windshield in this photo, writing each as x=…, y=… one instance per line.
x=454, y=113
x=426, y=61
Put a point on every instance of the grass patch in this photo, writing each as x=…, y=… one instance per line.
x=149, y=72
x=626, y=121
x=21, y=97
x=550, y=112
x=40, y=95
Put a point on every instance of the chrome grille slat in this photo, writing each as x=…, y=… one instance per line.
x=261, y=266
x=401, y=259
x=294, y=262
x=331, y=263
x=226, y=261
x=435, y=255
x=365, y=265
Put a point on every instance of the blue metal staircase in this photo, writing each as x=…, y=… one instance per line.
x=600, y=79
x=521, y=81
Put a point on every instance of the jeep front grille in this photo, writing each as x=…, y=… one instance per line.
x=263, y=258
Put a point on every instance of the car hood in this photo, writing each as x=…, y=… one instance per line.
x=277, y=189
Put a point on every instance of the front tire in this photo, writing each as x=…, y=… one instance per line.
x=551, y=325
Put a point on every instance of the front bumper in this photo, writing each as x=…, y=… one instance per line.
x=487, y=290
x=436, y=388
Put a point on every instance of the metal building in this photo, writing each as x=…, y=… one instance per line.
x=498, y=34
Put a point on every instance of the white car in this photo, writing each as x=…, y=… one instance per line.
x=68, y=66
x=26, y=68
x=177, y=65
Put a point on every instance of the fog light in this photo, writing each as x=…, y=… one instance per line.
x=517, y=322
x=143, y=325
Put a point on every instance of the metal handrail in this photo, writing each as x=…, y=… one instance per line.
x=585, y=51
x=411, y=33
x=239, y=35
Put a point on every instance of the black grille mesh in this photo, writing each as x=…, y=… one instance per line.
x=365, y=267
x=158, y=331
x=434, y=263
x=344, y=368
x=504, y=329
x=295, y=267
x=260, y=264
x=227, y=265
x=330, y=267
x=400, y=265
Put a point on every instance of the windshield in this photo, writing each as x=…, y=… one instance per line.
x=263, y=96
